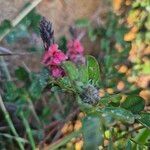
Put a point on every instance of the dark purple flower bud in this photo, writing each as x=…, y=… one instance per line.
x=47, y=33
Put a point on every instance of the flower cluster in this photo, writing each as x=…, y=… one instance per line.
x=75, y=51
x=53, y=58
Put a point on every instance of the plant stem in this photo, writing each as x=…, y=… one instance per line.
x=126, y=134
x=14, y=138
x=10, y=123
x=5, y=69
x=62, y=141
x=28, y=129
x=31, y=106
x=59, y=102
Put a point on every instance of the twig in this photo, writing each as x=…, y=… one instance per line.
x=126, y=134
x=12, y=54
x=5, y=50
x=52, y=128
x=33, y=111
x=26, y=67
x=48, y=136
x=59, y=102
x=52, y=125
x=20, y=17
x=10, y=123
x=69, y=117
x=62, y=141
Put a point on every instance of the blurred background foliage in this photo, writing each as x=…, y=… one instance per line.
x=117, y=33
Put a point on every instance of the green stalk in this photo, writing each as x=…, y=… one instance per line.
x=63, y=141
x=10, y=123
x=14, y=138
x=31, y=106
x=5, y=69
x=59, y=102
x=28, y=130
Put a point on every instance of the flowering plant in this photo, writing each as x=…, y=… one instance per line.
x=83, y=81
x=68, y=102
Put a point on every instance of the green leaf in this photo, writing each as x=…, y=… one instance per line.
x=83, y=74
x=145, y=119
x=85, y=107
x=133, y=103
x=113, y=98
x=120, y=114
x=92, y=34
x=39, y=83
x=80, y=23
x=6, y=24
x=64, y=82
x=21, y=74
x=10, y=91
x=71, y=70
x=128, y=145
x=92, y=133
x=146, y=68
x=142, y=137
x=93, y=69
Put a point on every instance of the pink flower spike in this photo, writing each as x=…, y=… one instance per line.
x=53, y=49
x=45, y=57
x=78, y=46
x=52, y=59
x=60, y=55
x=75, y=51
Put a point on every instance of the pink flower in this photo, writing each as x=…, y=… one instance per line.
x=75, y=46
x=75, y=51
x=57, y=71
x=53, y=58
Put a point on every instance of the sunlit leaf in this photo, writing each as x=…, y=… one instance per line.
x=145, y=119
x=93, y=69
x=83, y=74
x=119, y=114
x=71, y=70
